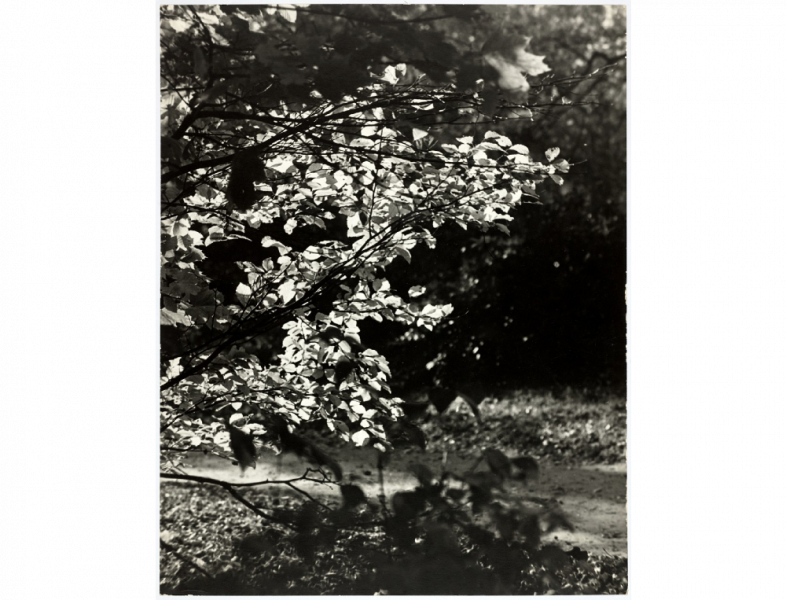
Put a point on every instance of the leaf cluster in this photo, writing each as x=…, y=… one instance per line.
x=281, y=213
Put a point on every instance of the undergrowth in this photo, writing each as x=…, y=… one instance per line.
x=473, y=532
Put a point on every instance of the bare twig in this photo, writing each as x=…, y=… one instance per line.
x=372, y=21
x=307, y=495
x=230, y=487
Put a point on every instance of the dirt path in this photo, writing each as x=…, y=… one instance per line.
x=593, y=497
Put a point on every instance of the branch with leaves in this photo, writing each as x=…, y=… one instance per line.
x=287, y=193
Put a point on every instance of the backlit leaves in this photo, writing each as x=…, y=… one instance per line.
x=295, y=173
x=508, y=55
x=360, y=438
x=529, y=63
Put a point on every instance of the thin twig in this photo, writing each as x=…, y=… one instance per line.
x=383, y=503
x=229, y=487
x=371, y=20
x=307, y=495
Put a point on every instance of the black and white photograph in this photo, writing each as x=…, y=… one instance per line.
x=393, y=318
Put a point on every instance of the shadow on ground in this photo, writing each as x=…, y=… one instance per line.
x=593, y=496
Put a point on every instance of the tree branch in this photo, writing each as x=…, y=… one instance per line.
x=372, y=21
x=230, y=487
x=267, y=144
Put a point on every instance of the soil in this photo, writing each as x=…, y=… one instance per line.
x=592, y=496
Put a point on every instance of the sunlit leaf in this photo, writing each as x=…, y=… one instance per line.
x=529, y=63
x=288, y=12
x=169, y=317
x=178, y=25
x=180, y=227
x=509, y=75
x=519, y=148
x=552, y=153
x=360, y=438
x=403, y=252
x=287, y=291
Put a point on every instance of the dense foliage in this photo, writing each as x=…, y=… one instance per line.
x=288, y=190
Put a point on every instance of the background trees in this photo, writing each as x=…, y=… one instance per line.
x=545, y=306
x=309, y=155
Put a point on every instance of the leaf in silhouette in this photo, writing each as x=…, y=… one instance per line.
x=526, y=468
x=553, y=558
x=303, y=448
x=481, y=486
x=441, y=540
x=315, y=454
x=456, y=494
x=498, y=462
x=171, y=150
x=506, y=524
x=343, y=368
x=423, y=474
x=403, y=432
x=529, y=528
x=245, y=170
x=577, y=553
x=553, y=518
x=485, y=480
x=407, y=505
x=353, y=495
x=242, y=446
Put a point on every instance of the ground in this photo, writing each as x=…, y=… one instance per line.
x=580, y=447
x=593, y=496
